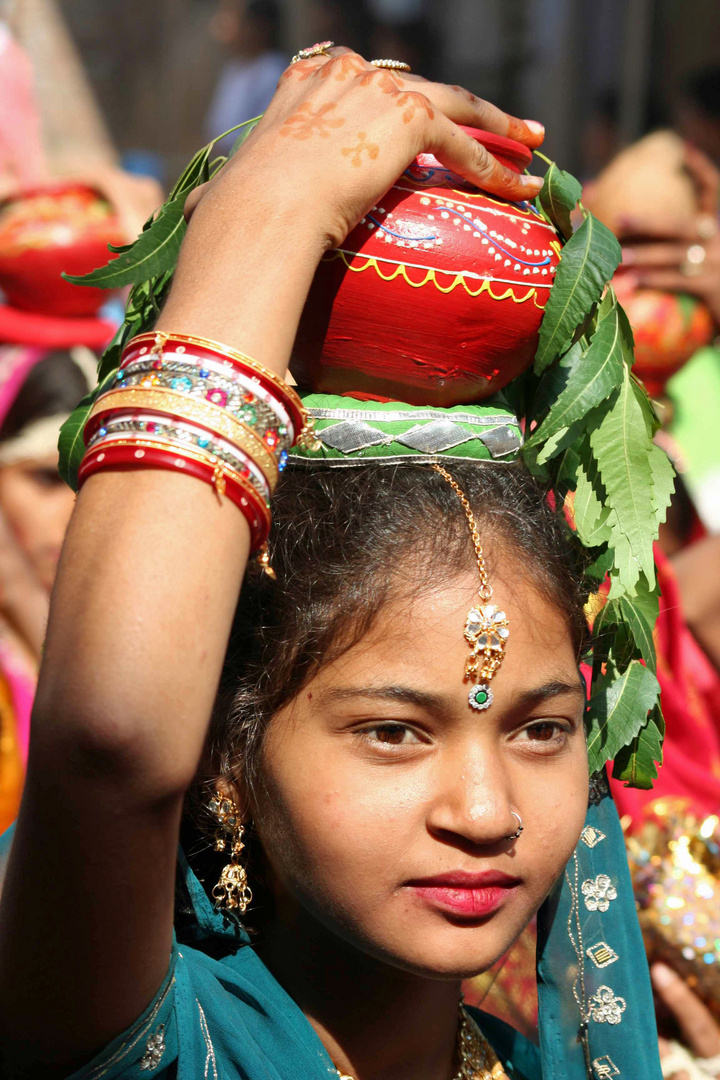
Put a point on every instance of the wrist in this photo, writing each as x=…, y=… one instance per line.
x=244, y=272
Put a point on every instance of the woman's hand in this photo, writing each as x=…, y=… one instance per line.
x=341, y=132
x=697, y=1025
x=335, y=137
x=680, y=256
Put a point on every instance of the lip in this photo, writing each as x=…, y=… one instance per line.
x=465, y=894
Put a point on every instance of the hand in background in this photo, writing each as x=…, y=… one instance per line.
x=700, y=1032
x=680, y=257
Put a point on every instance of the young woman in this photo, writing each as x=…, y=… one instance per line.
x=399, y=838
x=38, y=390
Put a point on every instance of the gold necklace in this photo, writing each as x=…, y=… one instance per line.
x=478, y=1060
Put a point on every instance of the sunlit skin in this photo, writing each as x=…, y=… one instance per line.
x=37, y=506
x=380, y=774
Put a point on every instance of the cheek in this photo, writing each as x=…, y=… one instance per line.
x=556, y=811
x=329, y=830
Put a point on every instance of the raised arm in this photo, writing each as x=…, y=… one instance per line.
x=152, y=566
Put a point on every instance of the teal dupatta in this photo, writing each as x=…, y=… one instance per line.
x=220, y=1014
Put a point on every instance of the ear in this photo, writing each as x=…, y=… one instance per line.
x=233, y=788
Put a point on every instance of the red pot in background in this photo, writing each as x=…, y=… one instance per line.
x=668, y=329
x=436, y=297
x=43, y=232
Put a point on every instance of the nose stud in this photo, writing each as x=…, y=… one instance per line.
x=514, y=836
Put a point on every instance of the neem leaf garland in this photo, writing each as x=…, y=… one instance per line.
x=589, y=428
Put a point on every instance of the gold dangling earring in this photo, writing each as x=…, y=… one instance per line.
x=232, y=892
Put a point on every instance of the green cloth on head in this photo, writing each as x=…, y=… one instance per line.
x=353, y=432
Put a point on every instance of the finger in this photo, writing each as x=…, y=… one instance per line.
x=673, y=281
x=696, y=1022
x=632, y=227
x=464, y=155
x=659, y=254
x=706, y=177
x=463, y=107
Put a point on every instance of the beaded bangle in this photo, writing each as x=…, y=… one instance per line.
x=161, y=431
x=122, y=455
x=184, y=378
x=155, y=343
x=169, y=403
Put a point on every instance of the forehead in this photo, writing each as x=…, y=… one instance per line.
x=418, y=635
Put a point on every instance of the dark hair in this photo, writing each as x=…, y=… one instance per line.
x=53, y=387
x=340, y=544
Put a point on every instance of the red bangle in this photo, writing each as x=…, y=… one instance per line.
x=123, y=456
x=143, y=344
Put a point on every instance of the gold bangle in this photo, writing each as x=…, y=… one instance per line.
x=213, y=417
x=152, y=337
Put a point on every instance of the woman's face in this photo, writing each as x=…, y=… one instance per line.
x=388, y=805
x=37, y=506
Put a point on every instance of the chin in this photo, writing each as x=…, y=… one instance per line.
x=466, y=952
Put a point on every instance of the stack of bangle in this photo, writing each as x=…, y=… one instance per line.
x=193, y=405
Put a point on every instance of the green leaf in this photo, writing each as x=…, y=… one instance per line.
x=635, y=763
x=71, y=443
x=247, y=128
x=600, y=567
x=558, y=197
x=589, y=510
x=582, y=379
x=153, y=253
x=617, y=712
x=196, y=172
x=663, y=481
x=638, y=616
x=622, y=450
x=652, y=423
x=589, y=259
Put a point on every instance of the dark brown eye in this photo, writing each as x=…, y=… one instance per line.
x=542, y=732
x=390, y=733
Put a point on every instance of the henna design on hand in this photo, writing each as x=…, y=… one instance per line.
x=387, y=81
x=466, y=94
x=342, y=66
x=308, y=121
x=411, y=101
x=357, y=151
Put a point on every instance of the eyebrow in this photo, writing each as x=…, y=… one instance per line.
x=439, y=703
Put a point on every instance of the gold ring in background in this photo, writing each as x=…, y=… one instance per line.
x=320, y=48
x=707, y=226
x=393, y=65
x=694, y=259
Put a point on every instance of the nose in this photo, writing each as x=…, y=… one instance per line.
x=473, y=802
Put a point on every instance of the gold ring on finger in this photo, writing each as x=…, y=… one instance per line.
x=320, y=48
x=694, y=259
x=393, y=65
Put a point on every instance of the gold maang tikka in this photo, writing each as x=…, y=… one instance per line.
x=486, y=628
x=232, y=892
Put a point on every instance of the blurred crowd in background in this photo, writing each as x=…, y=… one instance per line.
x=102, y=105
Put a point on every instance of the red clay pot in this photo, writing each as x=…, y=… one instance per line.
x=668, y=329
x=436, y=297
x=43, y=232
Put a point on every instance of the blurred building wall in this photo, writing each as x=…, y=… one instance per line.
x=569, y=63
